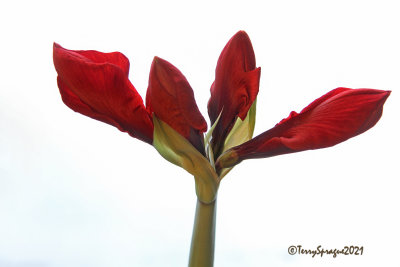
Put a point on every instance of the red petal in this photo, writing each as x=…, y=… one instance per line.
x=96, y=84
x=73, y=102
x=235, y=87
x=93, y=56
x=171, y=98
x=333, y=118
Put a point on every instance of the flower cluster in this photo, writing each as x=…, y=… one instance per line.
x=96, y=84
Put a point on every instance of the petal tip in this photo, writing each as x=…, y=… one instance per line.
x=386, y=95
x=241, y=35
x=160, y=63
x=156, y=59
x=241, y=38
x=56, y=47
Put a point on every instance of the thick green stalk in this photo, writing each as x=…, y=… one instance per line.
x=202, y=248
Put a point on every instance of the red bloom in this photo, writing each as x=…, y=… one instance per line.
x=96, y=84
x=171, y=98
x=235, y=87
x=333, y=118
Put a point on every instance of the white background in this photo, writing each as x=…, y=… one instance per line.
x=77, y=192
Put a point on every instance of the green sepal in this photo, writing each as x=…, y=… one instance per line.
x=242, y=131
x=176, y=149
x=207, y=143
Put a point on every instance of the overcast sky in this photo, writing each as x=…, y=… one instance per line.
x=78, y=192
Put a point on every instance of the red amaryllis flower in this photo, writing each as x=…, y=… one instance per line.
x=235, y=87
x=171, y=98
x=96, y=84
x=333, y=118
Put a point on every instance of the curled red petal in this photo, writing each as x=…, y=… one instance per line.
x=171, y=98
x=115, y=58
x=235, y=87
x=331, y=119
x=96, y=84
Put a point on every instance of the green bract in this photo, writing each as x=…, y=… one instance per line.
x=177, y=150
x=241, y=132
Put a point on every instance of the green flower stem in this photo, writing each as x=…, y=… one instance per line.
x=202, y=248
